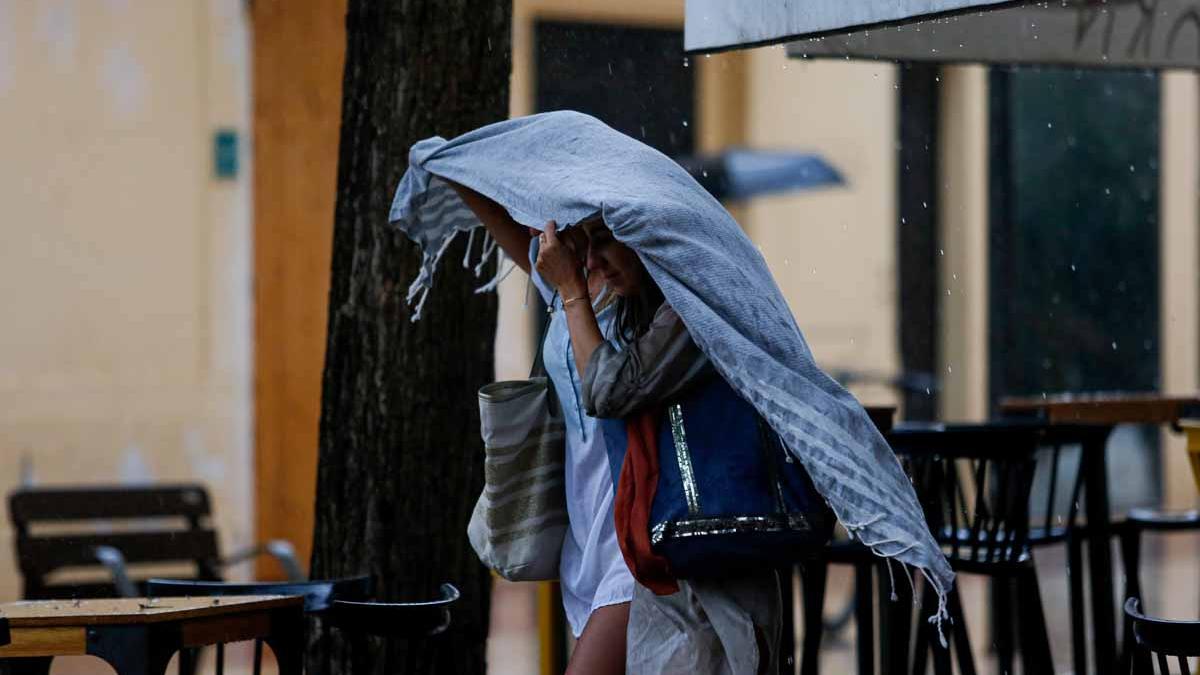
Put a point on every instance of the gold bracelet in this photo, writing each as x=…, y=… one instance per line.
x=568, y=301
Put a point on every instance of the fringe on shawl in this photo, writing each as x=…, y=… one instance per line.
x=418, y=291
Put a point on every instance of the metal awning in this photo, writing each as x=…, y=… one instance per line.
x=714, y=25
x=1112, y=33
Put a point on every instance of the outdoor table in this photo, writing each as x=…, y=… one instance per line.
x=139, y=636
x=1108, y=409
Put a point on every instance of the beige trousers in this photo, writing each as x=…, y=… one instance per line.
x=710, y=627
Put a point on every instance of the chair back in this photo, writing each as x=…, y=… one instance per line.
x=1058, y=492
x=75, y=527
x=975, y=483
x=1161, y=642
x=395, y=619
x=319, y=595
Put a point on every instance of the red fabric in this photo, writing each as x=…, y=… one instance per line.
x=631, y=511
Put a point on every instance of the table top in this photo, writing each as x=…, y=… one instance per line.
x=1106, y=407
x=44, y=613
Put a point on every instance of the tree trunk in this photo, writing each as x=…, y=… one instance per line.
x=400, y=454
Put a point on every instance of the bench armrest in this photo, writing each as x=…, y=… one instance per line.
x=279, y=549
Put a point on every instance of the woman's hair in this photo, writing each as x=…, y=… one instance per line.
x=635, y=313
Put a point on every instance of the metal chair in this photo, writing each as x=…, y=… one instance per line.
x=156, y=524
x=975, y=483
x=1137, y=522
x=1052, y=523
x=395, y=619
x=319, y=598
x=1158, y=639
x=814, y=576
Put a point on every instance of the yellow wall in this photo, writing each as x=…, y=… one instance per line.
x=124, y=266
x=832, y=251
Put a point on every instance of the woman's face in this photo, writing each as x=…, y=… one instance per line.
x=615, y=263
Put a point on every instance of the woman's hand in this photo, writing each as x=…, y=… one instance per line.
x=559, y=265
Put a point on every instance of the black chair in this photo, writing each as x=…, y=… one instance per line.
x=1158, y=639
x=975, y=483
x=1056, y=519
x=319, y=598
x=111, y=527
x=1136, y=522
x=5, y=635
x=814, y=577
x=395, y=619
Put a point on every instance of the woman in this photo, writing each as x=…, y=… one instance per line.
x=565, y=164
x=707, y=627
x=596, y=584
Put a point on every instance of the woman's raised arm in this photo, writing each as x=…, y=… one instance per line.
x=511, y=235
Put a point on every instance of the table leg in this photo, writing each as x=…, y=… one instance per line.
x=133, y=650
x=1104, y=633
x=895, y=621
x=287, y=641
x=36, y=665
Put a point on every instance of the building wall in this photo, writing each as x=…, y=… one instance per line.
x=299, y=51
x=124, y=264
x=832, y=251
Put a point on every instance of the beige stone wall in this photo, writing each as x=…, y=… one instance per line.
x=832, y=251
x=124, y=265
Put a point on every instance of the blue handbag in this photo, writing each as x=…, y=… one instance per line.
x=730, y=497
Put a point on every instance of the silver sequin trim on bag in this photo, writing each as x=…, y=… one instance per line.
x=682, y=455
x=699, y=527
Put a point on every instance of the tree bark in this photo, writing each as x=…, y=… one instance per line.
x=400, y=461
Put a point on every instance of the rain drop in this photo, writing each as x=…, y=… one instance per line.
x=1107, y=191
x=1114, y=345
x=685, y=123
x=1072, y=267
x=903, y=221
x=1049, y=125
x=941, y=251
x=949, y=369
x=686, y=63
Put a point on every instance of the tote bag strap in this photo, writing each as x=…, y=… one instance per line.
x=539, y=365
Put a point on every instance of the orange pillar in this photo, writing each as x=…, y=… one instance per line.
x=299, y=48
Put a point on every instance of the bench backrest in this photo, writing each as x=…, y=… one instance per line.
x=61, y=527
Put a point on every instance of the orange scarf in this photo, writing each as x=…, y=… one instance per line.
x=631, y=510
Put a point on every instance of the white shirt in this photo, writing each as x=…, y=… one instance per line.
x=592, y=572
